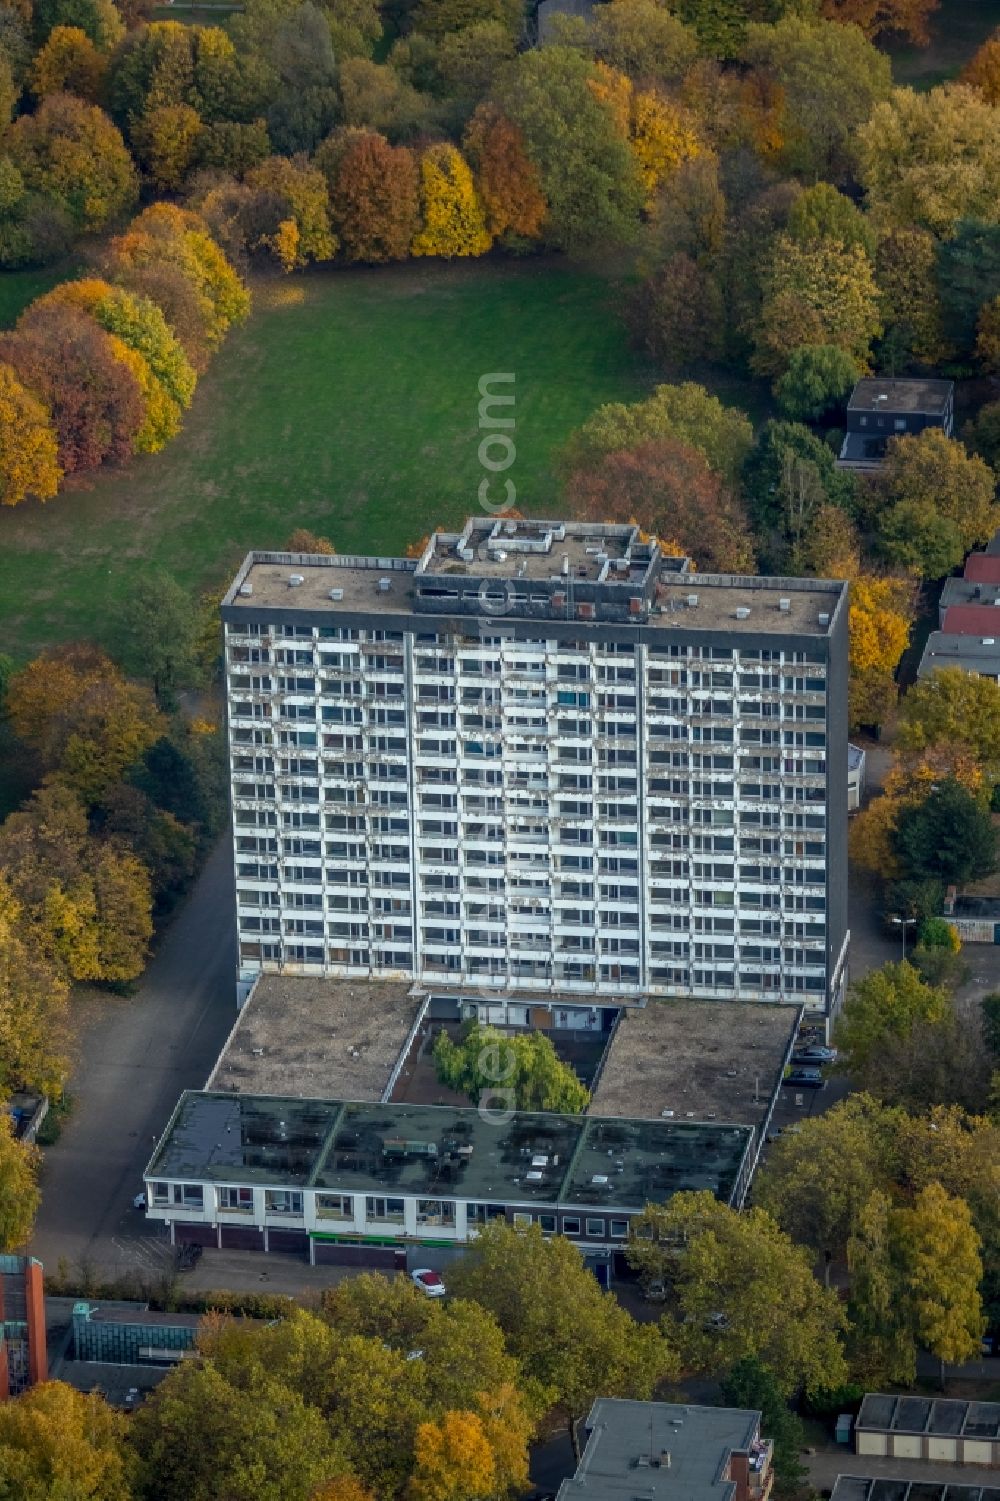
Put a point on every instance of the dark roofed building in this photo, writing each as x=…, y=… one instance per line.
x=663, y=1451
x=881, y=409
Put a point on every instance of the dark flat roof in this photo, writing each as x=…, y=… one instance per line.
x=971, y=653
x=443, y=1151
x=926, y=396
x=909, y=1414
x=625, y=1453
x=891, y=1488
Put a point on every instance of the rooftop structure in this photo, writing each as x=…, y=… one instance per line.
x=315, y=1037
x=665, y=1452
x=966, y=591
x=23, y=1356
x=714, y=1060
x=542, y=758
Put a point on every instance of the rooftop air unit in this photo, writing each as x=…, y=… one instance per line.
x=336, y=593
x=743, y=613
x=384, y=585
x=692, y=601
x=467, y=554
x=785, y=605
x=295, y=579
x=824, y=618
x=246, y=588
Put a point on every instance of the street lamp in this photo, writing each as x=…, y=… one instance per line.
x=903, y=923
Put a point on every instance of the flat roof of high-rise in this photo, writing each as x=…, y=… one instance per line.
x=561, y=571
x=660, y=1451
x=444, y=1151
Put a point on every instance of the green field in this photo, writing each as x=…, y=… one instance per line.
x=18, y=288
x=348, y=404
x=958, y=30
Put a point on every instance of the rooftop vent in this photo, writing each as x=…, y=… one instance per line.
x=500, y=555
x=336, y=593
x=246, y=588
x=743, y=613
x=384, y=585
x=585, y=610
x=692, y=601
x=466, y=554
x=784, y=604
x=295, y=579
x=558, y=600
x=824, y=618
x=635, y=604
x=989, y=641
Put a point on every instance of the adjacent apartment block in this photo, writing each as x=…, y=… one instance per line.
x=542, y=756
x=661, y=1451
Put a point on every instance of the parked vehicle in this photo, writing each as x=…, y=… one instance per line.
x=429, y=1282
x=814, y=1053
x=804, y=1078
x=139, y=1202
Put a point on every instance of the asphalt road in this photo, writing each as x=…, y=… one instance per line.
x=134, y=1061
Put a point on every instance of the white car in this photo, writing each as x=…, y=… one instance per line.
x=139, y=1202
x=428, y=1281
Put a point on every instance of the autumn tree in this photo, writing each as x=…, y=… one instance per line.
x=29, y=455
x=830, y=548
x=881, y=1343
x=644, y=40
x=737, y=1286
x=70, y=151
x=679, y=312
x=686, y=412
x=509, y=183
x=69, y=62
x=928, y=160
x=955, y=708
x=292, y=209
x=816, y=1182
x=947, y=836
x=251, y=1435
x=57, y=1441
x=33, y=997
x=968, y=277
x=816, y=293
x=909, y=295
x=374, y=95
x=905, y=18
x=374, y=199
x=167, y=140
x=19, y=1200
x=454, y=1460
x=932, y=503
x=589, y=175
x=523, y=1070
x=982, y=71
x=885, y=1003
x=789, y=476
x=881, y=617
x=75, y=709
x=669, y=489
x=452, y=221
x=303, y=540
x=71, y=365
x=571, y=1338
x=100, y=20
x=940, y=1249
x=821, y=212
x=830, y=77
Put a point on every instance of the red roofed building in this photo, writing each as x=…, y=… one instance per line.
x=972, y=620
x=982, y=568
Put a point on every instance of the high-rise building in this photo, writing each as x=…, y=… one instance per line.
x=545, y=757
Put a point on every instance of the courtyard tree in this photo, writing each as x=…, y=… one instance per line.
x=946, y=836
x=737, y=1285
x=685, y=412
x=33, y=1000
x=19, y=1198
x=939, y=1249
x=522, y=1067
x=751, y=1385
x=881, y=1342
x=881, y=618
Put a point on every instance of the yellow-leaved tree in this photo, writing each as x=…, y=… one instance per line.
x=454, y=1460
x=29, y=461
x=881, y=615
x=662, y=137
x=453, y=221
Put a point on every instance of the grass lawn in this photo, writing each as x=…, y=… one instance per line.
x=18, y=288
x=347, y=404
x=958, y=30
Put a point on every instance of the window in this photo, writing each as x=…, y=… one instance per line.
x=282, y=1201
x=547, y=1223
x=334, y=1207
x=189, y=1195
x=521, y=1218
x=479, y=1214
x=235, y=1200
x=595, y=1227
x=619, y=1229
x=160, y=1193
x=435, y=1212
x=384, y=1209
x=571, y=1225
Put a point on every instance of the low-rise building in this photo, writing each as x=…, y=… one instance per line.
x=23, y=1360
x=975, y=654
x=880, y=409
x=927, y=1428
x=898, y=1488
x=360, y=1182
x=662, y=1451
